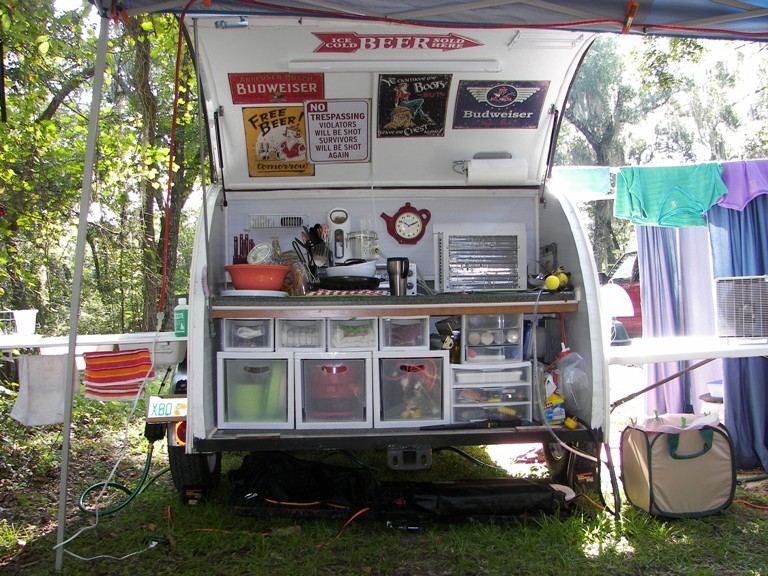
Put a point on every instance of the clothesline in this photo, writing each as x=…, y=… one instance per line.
x=670, y=196
x=680, y=196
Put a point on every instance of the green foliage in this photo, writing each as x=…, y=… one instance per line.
x=659, y=55
x=42, y=150
x=660, y=100
x=38, y=175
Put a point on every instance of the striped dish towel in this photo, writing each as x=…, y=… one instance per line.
x=117, y=375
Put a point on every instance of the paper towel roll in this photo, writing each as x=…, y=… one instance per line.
x=497, y=172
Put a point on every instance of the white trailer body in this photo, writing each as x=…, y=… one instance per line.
x=481, y=163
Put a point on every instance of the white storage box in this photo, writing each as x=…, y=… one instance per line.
x=247, y=334
x=492, y=338
x=409, y=333
x=255, y=390
x=294, y=334
x=410, y=390
x=353, y=334
x=166, y=352
x=492, y=391
x=333, y=390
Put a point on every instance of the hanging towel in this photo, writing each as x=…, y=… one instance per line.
x=117, y=375
x=670, y=196
x=41, y=389
x=745, y=180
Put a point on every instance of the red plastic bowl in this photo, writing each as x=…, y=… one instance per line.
x=257, y=276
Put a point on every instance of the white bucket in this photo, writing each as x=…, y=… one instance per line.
x=25, y=321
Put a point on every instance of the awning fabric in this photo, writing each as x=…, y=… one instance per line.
x=698, y=18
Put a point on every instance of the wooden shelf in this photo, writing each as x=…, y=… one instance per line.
x=311, y=307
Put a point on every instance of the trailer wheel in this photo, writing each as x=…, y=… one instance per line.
x=194, y=475
x=557, y=458
x=572, y=470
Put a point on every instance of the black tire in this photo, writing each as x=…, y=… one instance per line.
x=557, y=459
x=194, y=473
x=572, y=470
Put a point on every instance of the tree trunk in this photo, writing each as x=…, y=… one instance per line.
x=153, y=245
x=146, y=103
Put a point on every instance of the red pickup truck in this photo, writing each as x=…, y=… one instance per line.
x=626, y=273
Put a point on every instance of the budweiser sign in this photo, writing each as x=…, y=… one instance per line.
x=275, y=87
x=352, y=42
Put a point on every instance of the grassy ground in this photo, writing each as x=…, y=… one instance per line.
x=157, y=534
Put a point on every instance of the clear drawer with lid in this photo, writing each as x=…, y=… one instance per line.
x=255, y=390
x=296, y=334
x=333, y=389
x=247, y=334
x=492, y=338
x=353, y=334
x=409, y=333
x=410, y=389
x=491, y=391
x=462, y=414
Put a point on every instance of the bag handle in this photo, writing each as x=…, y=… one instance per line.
x=674, y=440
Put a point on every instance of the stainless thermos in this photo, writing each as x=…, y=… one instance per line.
x=397, y=270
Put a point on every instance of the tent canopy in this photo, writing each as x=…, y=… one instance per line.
x=725, y=19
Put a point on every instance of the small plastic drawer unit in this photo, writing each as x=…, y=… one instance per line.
x=353, y=334
x=408, y=333
x=491, y=392
x=492, y=338
x=333, y=390
x=255, y=390
x=410, y=390
x=294, y=334
x=247, y=334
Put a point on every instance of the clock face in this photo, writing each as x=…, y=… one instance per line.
x=408, y=225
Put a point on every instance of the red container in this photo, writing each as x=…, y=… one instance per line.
x=334, y=390
x=257, y=276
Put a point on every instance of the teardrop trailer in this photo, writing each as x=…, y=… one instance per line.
x=306, y=114
x=399, y=128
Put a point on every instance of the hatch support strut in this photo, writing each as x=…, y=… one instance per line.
x=555, y=113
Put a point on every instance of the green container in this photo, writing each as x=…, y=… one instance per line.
x=257, y=393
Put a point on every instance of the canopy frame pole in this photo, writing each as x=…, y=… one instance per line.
x=74, y=310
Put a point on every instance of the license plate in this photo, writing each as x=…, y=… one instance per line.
x=167, y=408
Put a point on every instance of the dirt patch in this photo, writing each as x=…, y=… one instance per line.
x=754, y=482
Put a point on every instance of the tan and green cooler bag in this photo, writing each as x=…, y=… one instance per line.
x=678, y=465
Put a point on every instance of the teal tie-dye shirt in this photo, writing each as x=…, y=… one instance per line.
x=670, y=196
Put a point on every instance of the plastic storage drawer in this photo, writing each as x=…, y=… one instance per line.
x=247, y=334
x=462, y=414
x=410, y=390
x=404, y=333
x=333, y=390
x=255, y=390
x=295, y=334
x=491, y=392
x=353, y=334
x=492, y=338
